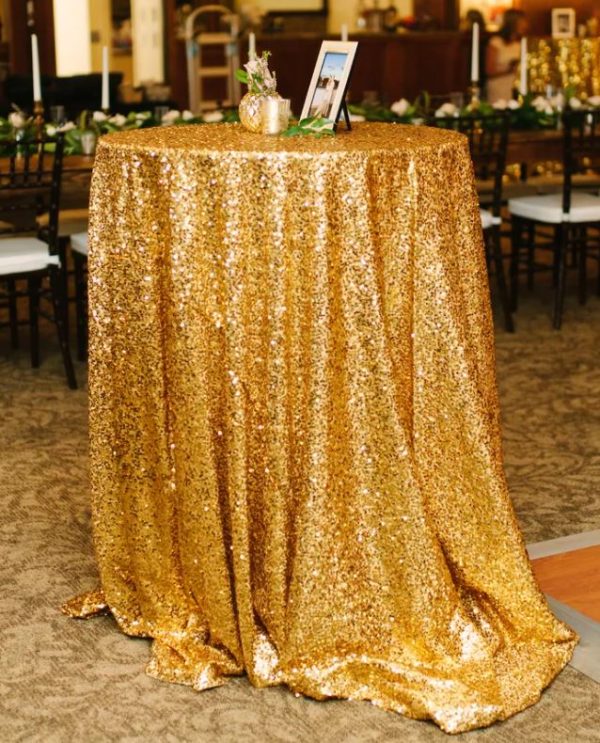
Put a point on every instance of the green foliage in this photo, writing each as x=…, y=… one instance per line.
x=313, y=126
x=242, y=77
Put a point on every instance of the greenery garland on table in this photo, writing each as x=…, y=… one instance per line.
x=315, y=126
x=530, y=113
x=21, y=127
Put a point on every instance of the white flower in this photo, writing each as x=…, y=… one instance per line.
x=260, y=76
x=170, y=117
x=17, y=120
x=99, y=116
x=66, y=127
x=187, y=115
x=118, y=120
x=143, y=115
x=213, y=117
x=513, y=105
x=575, y=103
x=539, y=103
x=557, y=102
x=594, y=100
x=446, y=109
x=50, y=130
x=501, y=104
x=357, y=117
x=400, y=107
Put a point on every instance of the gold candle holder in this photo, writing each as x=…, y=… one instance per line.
x=474, y=92
x=38, y=117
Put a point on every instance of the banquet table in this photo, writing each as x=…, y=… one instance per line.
x=296, y=463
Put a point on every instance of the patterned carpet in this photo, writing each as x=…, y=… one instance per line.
x=63, y=680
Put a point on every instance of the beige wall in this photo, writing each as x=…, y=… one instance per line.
x=72, y=37
x=101, y=28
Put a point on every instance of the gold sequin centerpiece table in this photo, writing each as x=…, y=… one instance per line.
x=565, y=63
x=295, y=449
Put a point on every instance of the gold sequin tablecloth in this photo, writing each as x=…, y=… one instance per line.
x=295, y=450
x=565, y=63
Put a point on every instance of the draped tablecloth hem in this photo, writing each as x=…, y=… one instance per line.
x=508, y=682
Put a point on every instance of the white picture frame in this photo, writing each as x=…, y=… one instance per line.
x=563, y=23
x=329, y=82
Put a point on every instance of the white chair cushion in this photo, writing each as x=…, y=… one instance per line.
x=585, y=207
x=79, y=243
x=24, y=254
x=487, y=219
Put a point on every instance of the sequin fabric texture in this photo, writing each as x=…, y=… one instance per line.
x=565, y=63
x=295, y=450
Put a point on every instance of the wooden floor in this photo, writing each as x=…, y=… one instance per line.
x=572, y=578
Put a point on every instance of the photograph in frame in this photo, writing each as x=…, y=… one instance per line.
x=563, y=23
x=329, y=82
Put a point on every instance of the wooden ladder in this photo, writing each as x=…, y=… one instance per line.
x=199, y=72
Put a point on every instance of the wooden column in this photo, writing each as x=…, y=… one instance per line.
x=175, y=64
x=22, y=25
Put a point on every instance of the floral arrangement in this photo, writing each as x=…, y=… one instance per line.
x=257, y=76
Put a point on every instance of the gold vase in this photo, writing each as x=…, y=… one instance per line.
x=249, y=110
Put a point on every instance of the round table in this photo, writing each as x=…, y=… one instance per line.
x=296, y=462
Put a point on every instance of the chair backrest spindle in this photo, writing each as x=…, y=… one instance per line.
x=30, y=182
x=581, y=148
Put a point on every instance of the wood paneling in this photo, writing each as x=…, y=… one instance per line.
x=539, y=12
x=443, y=13
x=393, y=66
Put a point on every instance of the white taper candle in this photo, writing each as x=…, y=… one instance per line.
x=105, y=105
x=35, y=66
x=344, y=32
x=251, y=46
x=475, y=54
x=523, y=81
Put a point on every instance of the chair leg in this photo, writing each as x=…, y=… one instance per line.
x=530, y=255
x=561, y=270
x=557, y=238
x=516, y=237
x=63, y=243
x=493, y=240
x=58, y=303
x=33, y=290
x=576, y=239
x=13, y=314
x=81, y=306
x=582, y=265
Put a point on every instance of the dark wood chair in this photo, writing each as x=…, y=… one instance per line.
x=30, y=181
x=79, y=251
x=488, y=139
x=561, y=223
